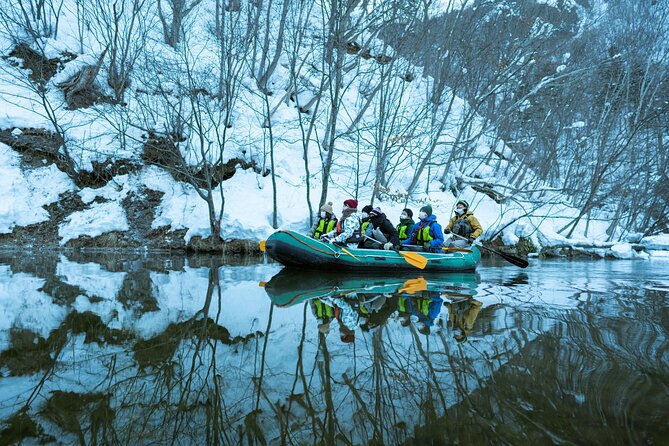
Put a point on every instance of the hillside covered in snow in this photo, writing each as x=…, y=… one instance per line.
x=207, y=124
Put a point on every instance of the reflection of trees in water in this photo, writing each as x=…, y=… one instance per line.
x=597, y=376
x=196, y=383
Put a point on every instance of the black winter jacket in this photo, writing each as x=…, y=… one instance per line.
x=381, y=222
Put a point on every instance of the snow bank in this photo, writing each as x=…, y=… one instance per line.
x=100, y=218
x=24, y=192
x=625, y=251
x=656, y=242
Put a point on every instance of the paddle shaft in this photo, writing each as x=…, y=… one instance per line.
x=375, y=240
x=521, y=263
x=412, y=258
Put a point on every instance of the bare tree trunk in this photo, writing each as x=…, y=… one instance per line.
x=172, y=25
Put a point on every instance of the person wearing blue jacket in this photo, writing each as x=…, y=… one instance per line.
x=427, y=232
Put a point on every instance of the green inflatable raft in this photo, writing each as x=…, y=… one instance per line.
x=296, y=250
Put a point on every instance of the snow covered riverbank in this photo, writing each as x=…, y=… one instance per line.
x=148, y=208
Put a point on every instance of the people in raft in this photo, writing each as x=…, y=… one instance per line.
x=463, y=224
x=427, y=232
x=406, y=224
x=347, y=229
x=327, y=222
x=377, y=230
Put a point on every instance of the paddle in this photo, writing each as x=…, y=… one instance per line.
x=508, y=257
x=456, y=249
x=412, y=258
x=349, y=253
x=262, y=245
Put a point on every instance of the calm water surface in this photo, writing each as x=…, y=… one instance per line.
x=155, y=349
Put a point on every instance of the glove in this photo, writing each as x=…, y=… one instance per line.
x=447, y=231
x=388, y=246
x=325, y=238
x=470, y=240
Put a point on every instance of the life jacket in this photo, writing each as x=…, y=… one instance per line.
x=363, y=227
x=323, y=310
x=324, y=226
x=462, y=227
x=402, y=231
x=423, y=235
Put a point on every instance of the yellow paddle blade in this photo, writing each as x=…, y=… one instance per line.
x=413, y=286
x=262, y=284
x=349, y=253
x=262, y=245
x=414, y=259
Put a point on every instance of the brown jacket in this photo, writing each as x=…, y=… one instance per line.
x=473, y=221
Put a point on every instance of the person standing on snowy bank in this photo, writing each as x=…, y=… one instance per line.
x=327, y=222
x=463, y=224
x=427, y=232
x=348, y=228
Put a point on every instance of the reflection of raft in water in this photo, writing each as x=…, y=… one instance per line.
x=293, y=249
x=290, y=286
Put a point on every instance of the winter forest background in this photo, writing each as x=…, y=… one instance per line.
x=161, y=122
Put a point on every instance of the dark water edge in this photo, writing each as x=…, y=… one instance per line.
x=138, y=348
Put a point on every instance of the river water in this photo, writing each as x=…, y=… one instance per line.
x=156, y=349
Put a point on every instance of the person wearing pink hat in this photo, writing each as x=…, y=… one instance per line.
x=348, y=227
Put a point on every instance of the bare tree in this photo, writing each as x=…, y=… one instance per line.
x=173, y=23
x=122, y=27
x=195, y=111
x=31, y=20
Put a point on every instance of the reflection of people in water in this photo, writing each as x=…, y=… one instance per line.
x=462, y=315
x=376, y=310
x=344, y=310
x=324, y=314
x=426, y=307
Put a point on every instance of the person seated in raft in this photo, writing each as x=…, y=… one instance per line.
x=364, y=223
x=427, y=232
x=463, y=224
x=348, y=227
x=327, y=222
x=406, y=224
x=381, y=230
